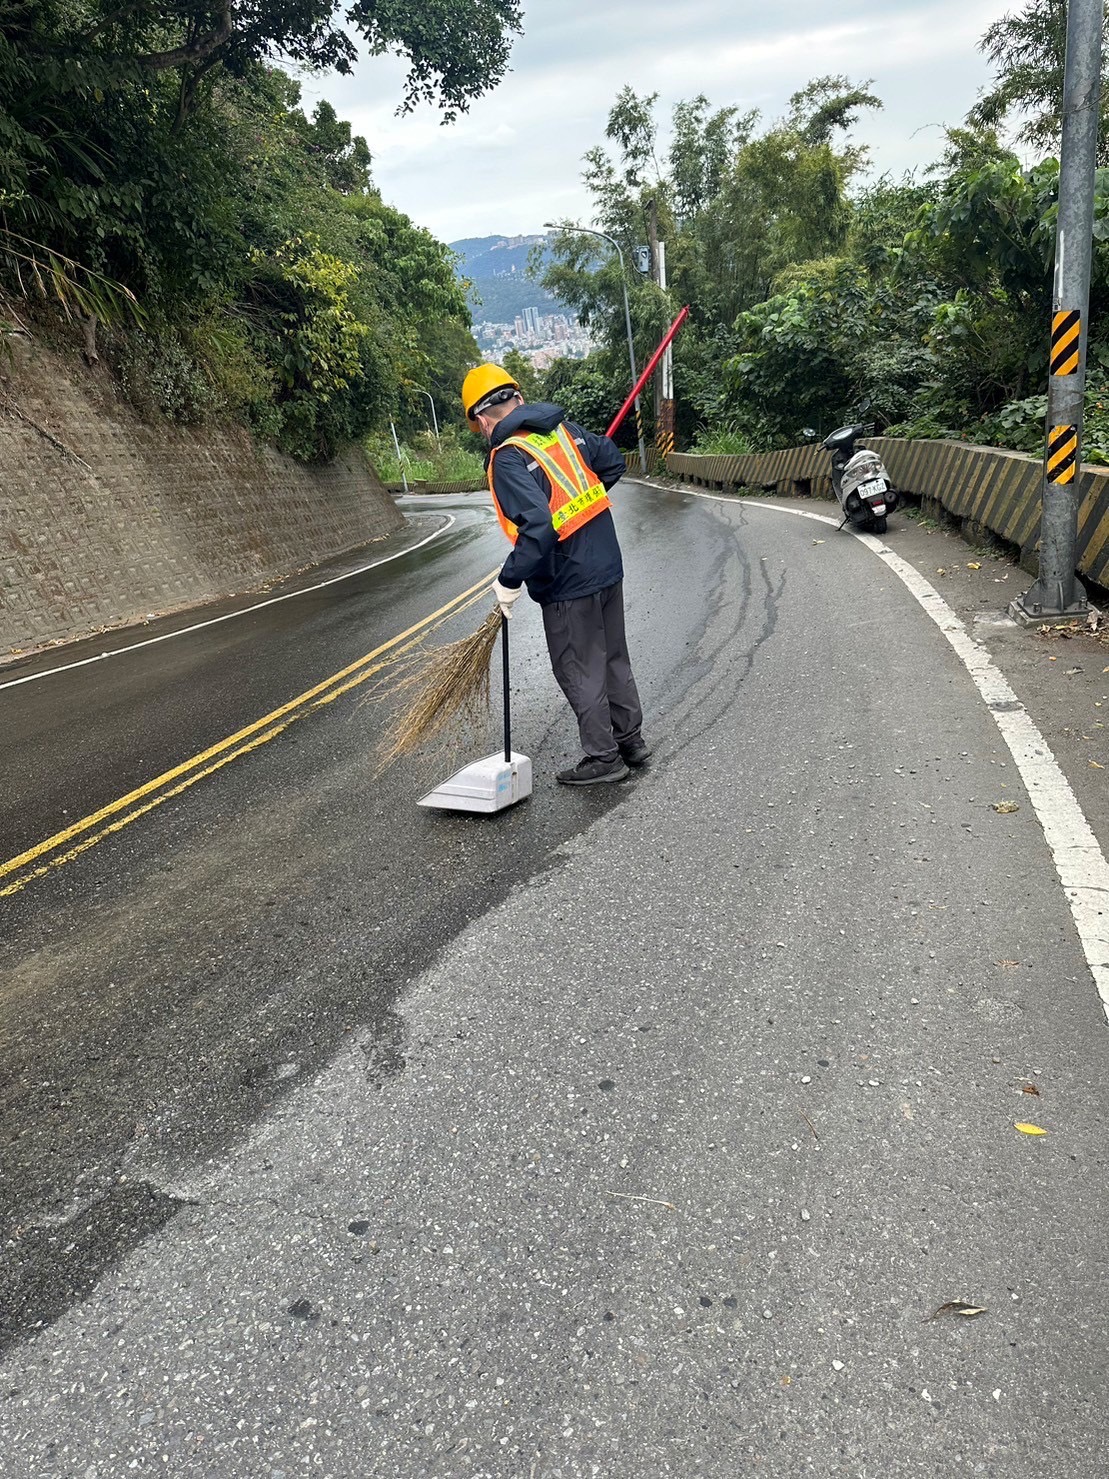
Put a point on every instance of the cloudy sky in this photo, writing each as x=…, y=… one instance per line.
x=514, y=161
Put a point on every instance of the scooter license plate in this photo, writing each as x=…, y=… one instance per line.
x=874, y=489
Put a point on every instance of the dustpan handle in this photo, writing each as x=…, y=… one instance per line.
x=504, y=686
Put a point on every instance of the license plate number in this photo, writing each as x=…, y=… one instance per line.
x=875, y=488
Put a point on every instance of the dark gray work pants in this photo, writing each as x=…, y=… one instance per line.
x=589, y=655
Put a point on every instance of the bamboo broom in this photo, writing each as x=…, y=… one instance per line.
x=447, y=683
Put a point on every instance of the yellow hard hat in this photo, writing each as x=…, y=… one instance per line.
x=481, y=383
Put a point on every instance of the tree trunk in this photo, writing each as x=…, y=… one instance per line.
x=88, y=327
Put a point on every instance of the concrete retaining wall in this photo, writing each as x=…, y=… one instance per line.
x=105, y=519
x=989, y=488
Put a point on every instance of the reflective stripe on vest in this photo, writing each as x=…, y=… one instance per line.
x=576, y=494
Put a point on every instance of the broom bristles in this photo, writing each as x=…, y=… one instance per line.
x=450, y=682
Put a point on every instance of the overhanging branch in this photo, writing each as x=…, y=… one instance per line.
x=195, y=51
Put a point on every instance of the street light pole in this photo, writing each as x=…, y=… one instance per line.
x=588, y=231
x=434, y=418
x=400, y=459
x=1057, y=595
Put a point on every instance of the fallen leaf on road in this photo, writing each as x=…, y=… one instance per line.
x=818, y=541
x=1095, y=765
x=974, y=565
x=1029, y=1129
x=941, y=571
x=1008, y=965
x=956, y=1307
x=627, y=1196
x=1005, y=807
x=1071, y=671
x=1029, y=1089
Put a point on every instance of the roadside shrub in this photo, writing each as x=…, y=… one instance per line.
x=240, y=382
x=425, y=460
x=1021, y=425
x=922, y=428
x=161, y=377
x=721, y=441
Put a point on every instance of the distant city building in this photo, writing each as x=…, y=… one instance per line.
x=539, y=337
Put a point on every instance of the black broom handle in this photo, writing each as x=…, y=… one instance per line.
x=504, y=684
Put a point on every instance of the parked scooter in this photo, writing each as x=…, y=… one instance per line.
x=859, y=480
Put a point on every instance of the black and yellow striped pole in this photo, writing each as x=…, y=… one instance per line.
x=1057, y=594
x=1066, y=361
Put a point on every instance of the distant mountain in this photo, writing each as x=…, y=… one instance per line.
x=497, y=267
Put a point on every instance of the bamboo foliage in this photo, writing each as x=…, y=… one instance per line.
x=78, y=290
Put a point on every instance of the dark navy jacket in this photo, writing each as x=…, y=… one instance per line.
x=589, y=560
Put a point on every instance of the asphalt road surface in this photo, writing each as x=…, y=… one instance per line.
x=636, y=1131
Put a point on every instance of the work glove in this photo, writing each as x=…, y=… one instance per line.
x=506, y=597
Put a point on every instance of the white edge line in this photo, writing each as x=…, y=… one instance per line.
x=229, y=615
x=1079, y=860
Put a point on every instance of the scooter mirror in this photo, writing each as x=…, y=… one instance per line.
x=808, y=432
x=865, y=404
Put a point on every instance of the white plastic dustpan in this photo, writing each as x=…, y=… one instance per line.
x=491, y=784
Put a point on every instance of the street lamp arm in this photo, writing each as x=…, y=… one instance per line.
x=589, y=231
x=431, y=402
x=604, y=236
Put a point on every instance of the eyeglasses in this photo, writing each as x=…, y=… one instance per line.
x=496, y=398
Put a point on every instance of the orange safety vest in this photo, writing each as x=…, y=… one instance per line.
x=576, y=494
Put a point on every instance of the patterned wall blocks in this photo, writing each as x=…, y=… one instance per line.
x=105, y=519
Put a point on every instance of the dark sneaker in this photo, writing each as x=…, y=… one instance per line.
x=635, y=752
x=589, y=771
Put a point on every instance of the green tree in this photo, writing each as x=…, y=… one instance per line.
x=455, y=51
x=584, y=389
x=525, y=374
x=141, y=144
x=796, y=361
x=344, y=157
x=785, y=199
x=702, y=147
x=274, y=281
x=1027, y=48
x=448, y=350
x=986, y=244
x=735, y=206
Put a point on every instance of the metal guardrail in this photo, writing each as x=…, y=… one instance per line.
x=986, y=487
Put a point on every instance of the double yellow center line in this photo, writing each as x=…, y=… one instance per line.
x=56, y=851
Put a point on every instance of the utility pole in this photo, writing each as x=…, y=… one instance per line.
x=589, y=231
x=1057, y=595
x=664, y=433
x=664, y=385
x=652, y=240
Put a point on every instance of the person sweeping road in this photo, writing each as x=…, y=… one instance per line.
x=549, y=480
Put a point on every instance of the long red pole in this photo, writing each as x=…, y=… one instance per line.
x=652, y=364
